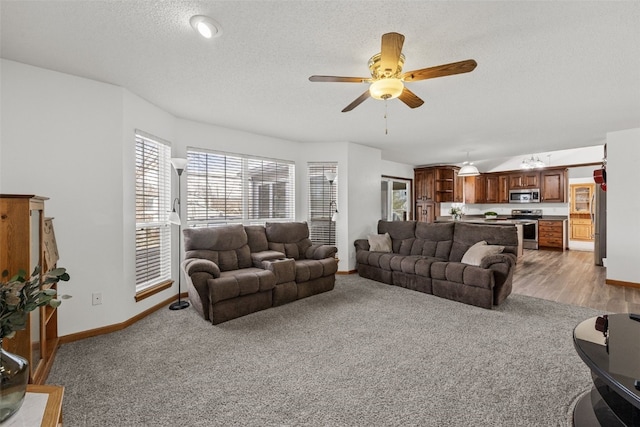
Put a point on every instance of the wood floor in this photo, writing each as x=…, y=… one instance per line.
x=571, y=277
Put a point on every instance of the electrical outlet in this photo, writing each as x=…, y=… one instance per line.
x=97, y=298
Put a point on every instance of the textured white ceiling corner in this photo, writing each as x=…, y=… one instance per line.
x=550, y=75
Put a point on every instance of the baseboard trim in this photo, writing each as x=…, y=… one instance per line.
x=344, y=273
x=622, y=283
x=118, y=326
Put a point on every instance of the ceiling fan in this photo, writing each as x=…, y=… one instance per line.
x=387, y=80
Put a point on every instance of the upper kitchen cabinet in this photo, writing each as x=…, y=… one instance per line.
x=475, y=189
x=492, y=189
x=424, y=179
x=446, y=182
x=581, y=195
x=458, y=189
x=553, y=185
x=528, y=179
x=503, y=188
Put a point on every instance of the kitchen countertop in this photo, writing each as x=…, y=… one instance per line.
x=501, y=220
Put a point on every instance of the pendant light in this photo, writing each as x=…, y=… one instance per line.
x=468, y=169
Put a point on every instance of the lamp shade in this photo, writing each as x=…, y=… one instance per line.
x=179, y=164
x=468, y=170
x=388, y=88
x=331, y=176
x=174, y=218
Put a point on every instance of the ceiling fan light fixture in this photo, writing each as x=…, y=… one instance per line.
x=386, y=88
x=205, y=26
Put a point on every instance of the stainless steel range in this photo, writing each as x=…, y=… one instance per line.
x=529, y=219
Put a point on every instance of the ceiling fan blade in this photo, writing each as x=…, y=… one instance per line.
x=410, y=98
x=357, y=102
x=390, y=51
x=339, y=79
x=440, y=71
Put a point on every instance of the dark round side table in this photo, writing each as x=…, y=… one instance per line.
x=612, y=352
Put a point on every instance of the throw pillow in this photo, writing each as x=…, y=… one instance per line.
x=475, y=253
x=380, y=242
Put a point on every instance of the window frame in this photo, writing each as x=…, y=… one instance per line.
x=153, y=268
x=323, y=198
x=261, y=183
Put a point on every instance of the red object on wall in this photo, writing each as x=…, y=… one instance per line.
x=600, y=176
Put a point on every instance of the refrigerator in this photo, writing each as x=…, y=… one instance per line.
x=599, y=221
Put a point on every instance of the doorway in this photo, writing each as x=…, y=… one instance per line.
x=395, y=199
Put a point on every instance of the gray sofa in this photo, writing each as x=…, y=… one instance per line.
x=235, y=270
x=427, y=257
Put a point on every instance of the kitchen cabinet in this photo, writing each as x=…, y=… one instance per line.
x=552, y=185
x=426, y=211
x=25, y=231
x=445, y=182
x=458, y=189
x=581, y=197
x=552, y=234
x=503, y=188
x=433, y=186
x=425, y=184
x=474, y=189
x=491, y=189
x=581, y=229
x=528, y=179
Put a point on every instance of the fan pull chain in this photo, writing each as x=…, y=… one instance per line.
x=386, y=126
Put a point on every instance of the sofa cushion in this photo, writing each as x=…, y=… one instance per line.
x=226, y=246
x=291, y=238
x=478, y=251
x=379, y=242
x=310, y=269
x=256, y=238
x=236, y=283
x=398, y=230
x=466, y=235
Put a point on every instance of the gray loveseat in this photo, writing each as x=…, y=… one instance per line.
x=427, y=257
x=235, y=270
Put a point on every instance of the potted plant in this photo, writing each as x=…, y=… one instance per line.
x=491, y=215
x=456, y=213
x=20, y=295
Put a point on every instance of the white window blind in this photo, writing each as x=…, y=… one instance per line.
x=225, y=188
x=322, y=203
x=153, y=204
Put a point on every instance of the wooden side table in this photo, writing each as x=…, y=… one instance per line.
x=36, y=409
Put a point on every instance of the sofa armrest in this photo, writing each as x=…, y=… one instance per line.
x=320, y=252
x=258, y=257
x=361, y=245
x=197, y=265
x=492, y=260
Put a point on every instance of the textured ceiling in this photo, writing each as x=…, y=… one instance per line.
x=550, y=75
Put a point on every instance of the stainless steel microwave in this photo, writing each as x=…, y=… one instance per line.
x=524, y=195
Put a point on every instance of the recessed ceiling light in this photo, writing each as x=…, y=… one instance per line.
x=205, y=26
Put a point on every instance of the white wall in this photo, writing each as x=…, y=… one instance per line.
x=62, y=138
x=397, y=170
x=623, y=205
x=71, y=139
x=364, y=195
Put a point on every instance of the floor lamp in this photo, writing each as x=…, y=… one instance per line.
x=179, y=165
x=333, y=205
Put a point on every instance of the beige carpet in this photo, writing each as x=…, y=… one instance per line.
x=363, y=354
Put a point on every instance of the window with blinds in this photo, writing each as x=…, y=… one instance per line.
x=153, y=204
x=323, y=197
x=224, y=188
